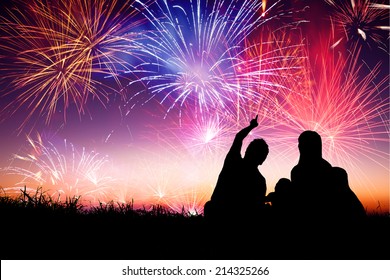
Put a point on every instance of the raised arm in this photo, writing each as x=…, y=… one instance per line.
x=240, y=136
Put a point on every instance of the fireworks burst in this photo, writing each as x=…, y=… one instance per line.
x=60, y=51
x=69, y=173
x=204, y=138
x=271, y=58
x=195, y=50
x=362, y=20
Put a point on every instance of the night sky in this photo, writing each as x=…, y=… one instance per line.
x=117, y=100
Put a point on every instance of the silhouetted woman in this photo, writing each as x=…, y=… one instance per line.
x=310, y=178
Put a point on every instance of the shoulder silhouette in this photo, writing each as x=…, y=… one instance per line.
x=346, y=206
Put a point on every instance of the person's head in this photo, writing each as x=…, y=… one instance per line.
x=256, y=152
x=310, y=145
x=340, y=177
x=282, y=185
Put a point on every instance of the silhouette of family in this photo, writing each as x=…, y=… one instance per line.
x=317, y=198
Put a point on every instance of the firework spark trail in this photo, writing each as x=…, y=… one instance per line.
x=68, y=173
x=270, y=58
x=60, y=51
x=195, y=51
x=203, y=137
x=362, y=20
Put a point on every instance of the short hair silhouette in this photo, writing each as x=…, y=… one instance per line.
x=340, y=176
x=281, y=199
x=257, y=151
x=282, y=185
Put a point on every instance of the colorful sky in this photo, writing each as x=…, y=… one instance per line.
x=140, y=100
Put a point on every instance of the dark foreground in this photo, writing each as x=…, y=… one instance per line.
x=40, y=229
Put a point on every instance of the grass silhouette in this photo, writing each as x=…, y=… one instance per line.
x=69, y=230
x=37, y=226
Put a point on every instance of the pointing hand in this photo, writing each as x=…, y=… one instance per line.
x=254, y=122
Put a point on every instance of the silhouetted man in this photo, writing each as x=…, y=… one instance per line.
x=240, y=189
x=238, y=199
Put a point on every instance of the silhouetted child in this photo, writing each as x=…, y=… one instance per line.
x=279, y=220
x=281, y=199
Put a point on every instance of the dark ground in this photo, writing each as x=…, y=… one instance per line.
x=108, y=232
